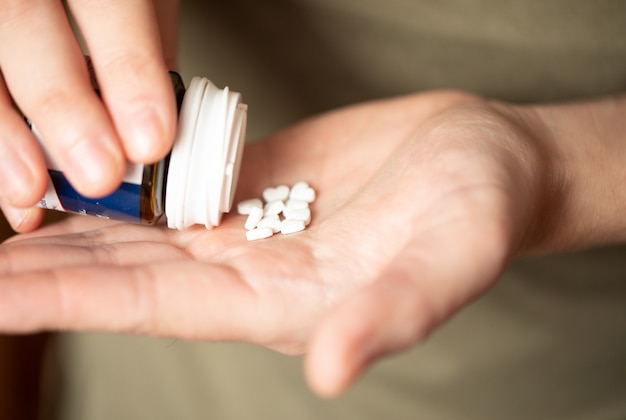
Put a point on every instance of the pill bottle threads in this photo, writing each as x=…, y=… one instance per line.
x=207, y=158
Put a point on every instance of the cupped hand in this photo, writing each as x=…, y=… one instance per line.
x=421, y=202
x=44, y=77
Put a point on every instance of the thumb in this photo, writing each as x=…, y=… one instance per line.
x=384, y=317
x=412, y=296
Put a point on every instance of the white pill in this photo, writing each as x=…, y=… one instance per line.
x=296, y=204
x=259, y=233
x=291, y=226
x=300, y=184
x=273, y=208
x=255, y=216
x=244, y=207
x=302, y=191
x=298, y=214
x=272, y=222
x=280, y=192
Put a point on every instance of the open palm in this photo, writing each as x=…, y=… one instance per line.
x=419, y=207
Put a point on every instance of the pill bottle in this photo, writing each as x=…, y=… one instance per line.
x=194, y=184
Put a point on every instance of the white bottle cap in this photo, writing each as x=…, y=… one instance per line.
x=206, y=157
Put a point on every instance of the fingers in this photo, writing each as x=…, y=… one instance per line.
x=68, y=226
x=126, y=49
x=20, y=157
x=21, y=161
x=80, y=251
x=46, y=74
x=22, y=219
x=89, y=139
x=161, y=299
x=167, y=12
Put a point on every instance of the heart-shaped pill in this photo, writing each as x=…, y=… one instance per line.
x=280, y=192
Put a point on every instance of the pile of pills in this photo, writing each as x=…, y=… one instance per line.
x=282, y=209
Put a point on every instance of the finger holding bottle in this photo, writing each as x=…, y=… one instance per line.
x=90, y=137
x=21, y=160
x=46, y=75
x=126, y=50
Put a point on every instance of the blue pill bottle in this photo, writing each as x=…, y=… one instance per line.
x=194, y=184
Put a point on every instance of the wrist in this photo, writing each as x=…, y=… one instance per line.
x=582, y=202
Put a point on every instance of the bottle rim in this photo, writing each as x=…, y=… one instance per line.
x=206, y=156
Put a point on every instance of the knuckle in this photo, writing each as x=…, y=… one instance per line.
x=63, y=107
x=49, y=102
x=54, y=105
x=132, y=64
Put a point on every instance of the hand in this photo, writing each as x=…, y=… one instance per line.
x=44, y=73
x=422, y=200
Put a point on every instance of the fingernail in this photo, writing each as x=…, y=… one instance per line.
x=92, y=166
x=16, y=216
x=143, y=136
x=16, y=178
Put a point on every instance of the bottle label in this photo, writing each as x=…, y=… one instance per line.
x=123, y=204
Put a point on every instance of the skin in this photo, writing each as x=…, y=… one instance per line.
x=44, y=76
x=422, y=202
